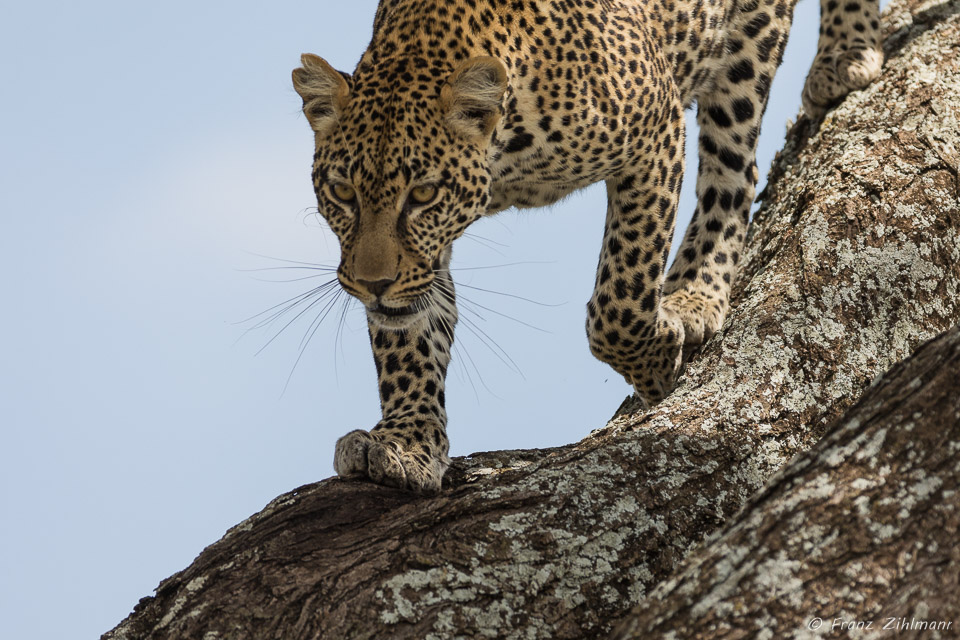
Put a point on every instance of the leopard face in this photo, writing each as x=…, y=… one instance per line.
x=400, y=171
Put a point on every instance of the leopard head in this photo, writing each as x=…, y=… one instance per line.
x=400, y=169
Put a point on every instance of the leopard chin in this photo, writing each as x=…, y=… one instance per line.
x=395, y=318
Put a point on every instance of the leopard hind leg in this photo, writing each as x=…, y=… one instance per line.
x=848, y=56
x=697, y=287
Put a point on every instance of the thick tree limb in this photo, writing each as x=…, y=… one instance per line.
x=854, y=260
x=860, y=532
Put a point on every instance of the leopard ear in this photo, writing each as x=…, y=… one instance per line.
x=472, y=97
x=324, y=91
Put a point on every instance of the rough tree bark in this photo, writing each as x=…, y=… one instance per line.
x=853, y=261
x=859, y=533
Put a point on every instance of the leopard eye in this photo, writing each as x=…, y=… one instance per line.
x=344, y=193
x=423, y=194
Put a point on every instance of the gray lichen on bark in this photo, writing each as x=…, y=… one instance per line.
x=859, y=532
x=853, y=261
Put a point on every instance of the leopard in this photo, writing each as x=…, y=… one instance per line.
x=460, y=109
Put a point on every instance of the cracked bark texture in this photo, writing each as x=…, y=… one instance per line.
x=852, y=262
x=859, y=533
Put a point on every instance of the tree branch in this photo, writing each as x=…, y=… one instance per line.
x=859, y=532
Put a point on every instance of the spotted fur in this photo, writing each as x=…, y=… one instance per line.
x=462, y=108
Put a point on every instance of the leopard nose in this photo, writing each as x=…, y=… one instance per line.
x=376, y=287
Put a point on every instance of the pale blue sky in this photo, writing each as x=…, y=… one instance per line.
x=148, y=152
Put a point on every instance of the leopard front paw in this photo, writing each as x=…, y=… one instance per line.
x=701, y=314
x=390, y=459
x=660, y=362
x=836, y=72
